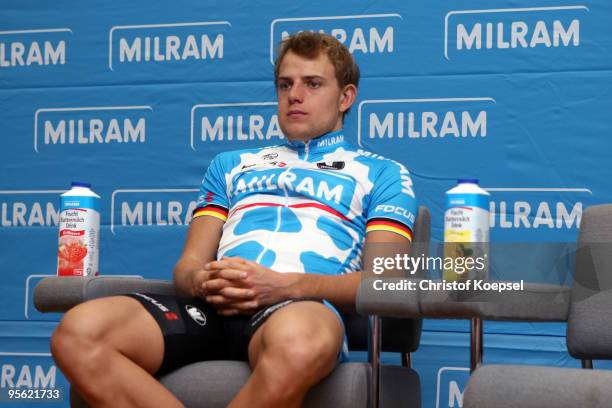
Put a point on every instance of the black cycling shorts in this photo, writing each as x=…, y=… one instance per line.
x=193, y=331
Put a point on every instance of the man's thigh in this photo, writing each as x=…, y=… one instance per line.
x=303, y=322
x=119, y=322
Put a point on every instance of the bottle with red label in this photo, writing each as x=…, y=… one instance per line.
x=79, y=232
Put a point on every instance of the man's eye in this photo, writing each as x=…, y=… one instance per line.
x=314, y=84
x=284, y=85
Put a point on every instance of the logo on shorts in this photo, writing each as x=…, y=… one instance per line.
x=196, y=314
x=171, y=316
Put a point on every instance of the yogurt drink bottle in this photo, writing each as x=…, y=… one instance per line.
x=79, y=232
x=466, y=231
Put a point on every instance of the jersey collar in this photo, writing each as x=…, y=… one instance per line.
x=325, y=143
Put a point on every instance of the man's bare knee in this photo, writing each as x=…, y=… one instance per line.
x=119, y=344
x=77, y=332
x=117, y=324
x=300, y=346
x=79, y=357
x=296, y=345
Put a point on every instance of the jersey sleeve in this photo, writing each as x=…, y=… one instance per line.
x=393, y=206
x=212, y=199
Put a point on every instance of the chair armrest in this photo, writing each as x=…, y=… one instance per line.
x=59, y=294
x=536, y=302
x=389, y=303
x=533, y=303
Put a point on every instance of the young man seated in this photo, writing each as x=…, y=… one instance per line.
x=273, y=253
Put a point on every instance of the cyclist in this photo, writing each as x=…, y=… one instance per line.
x=272, y=256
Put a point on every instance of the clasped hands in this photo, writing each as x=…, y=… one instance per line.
x=233, y=285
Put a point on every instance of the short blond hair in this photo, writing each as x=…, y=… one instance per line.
x=309, y=44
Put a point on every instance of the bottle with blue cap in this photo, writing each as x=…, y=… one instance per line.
x=466, y=231
x=79, y=232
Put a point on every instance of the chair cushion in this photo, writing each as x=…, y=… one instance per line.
x=510, y=386
x=213, y=384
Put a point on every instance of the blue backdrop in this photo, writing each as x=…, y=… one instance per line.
x=137, y=98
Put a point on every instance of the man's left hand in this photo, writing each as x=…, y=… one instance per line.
x=237, y=285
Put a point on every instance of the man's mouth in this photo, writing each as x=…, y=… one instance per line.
x=296, y=114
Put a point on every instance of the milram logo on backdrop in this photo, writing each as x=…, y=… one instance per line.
x=362, y=34
x=248, y=122
x=90, y=125
x=538, y=210
x=25, y=370
x=25, y=48
x=478, y=31
x=164, y=43
x=450, y=386
x=442, y=118
x=29, y=208
x=151, y=207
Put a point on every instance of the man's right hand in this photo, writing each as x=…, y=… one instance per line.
x=197, y=285
x=200, y=247
x=200, y=289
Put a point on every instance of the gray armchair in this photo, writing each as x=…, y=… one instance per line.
x=214, y=383
x=589, y=336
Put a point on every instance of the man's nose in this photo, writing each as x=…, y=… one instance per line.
x=296, y=94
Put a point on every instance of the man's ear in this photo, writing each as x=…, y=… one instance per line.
x=347, y=97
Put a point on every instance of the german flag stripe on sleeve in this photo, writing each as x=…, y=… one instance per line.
x=386, y=224
x=212, y=210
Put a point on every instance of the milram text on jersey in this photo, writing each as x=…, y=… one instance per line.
x=306, y=206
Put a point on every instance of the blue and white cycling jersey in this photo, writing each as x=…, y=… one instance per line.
x=306, y=206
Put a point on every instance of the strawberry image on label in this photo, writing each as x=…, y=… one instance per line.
x=70, y=258
x=73, y=252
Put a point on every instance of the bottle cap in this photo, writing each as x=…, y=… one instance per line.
x=80, y=184
x=467, y=180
